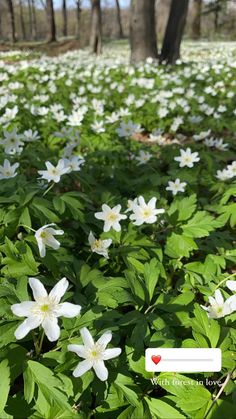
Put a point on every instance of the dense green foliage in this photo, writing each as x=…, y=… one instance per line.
x=150, y=290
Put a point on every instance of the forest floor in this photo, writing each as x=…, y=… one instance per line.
x=48, y=48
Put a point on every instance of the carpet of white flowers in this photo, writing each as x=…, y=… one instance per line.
x=117, y=217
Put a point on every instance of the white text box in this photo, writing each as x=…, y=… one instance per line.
x=183, y=359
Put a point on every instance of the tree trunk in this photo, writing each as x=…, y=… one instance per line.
x=64, y=18
x=1, y=29
x=78, y=14
x=22, y=22
x=51, y=21
x=96, y=27
x=143, y=40
x=196, y=22
x=118, y=14
x=30, y=19
x=174, y=31
x=12, y=21
x=34, y=21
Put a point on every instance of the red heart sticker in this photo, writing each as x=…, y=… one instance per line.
x=156, y=359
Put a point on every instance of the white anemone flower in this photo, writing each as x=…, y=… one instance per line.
x=7, y=171
x=131, y=204
x=74, y=163
x=218, y=307
x=54, y=173
x=45, y=310
x=99, y=246
x=145, y=213
x=143, y=157
x=94, y=354
x=12, y=142
x=45, y=237
x=176, y=186
x=187, y=158
x=111, y=217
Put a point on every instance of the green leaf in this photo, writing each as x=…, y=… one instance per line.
x=184, y=207
x=199, y=226
x=4, y=383
x=50, y=386
x=121, y=383
x=29, y=385
x=162, y=410
x=151, y=275
x=205, y=326
x=190, y=394
x=178, y=246
x=25, y=218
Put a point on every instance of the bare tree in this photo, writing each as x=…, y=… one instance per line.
x=51, y=21
x=64, y=18
x=1, y=31
x=34, y=21
x=118, y=14
x=22, y=21
x=174, y=31
x=78, y=14
x=12, y=20
x=143, y=38
x=196, y=20
x=30, y=19
x=96, y=27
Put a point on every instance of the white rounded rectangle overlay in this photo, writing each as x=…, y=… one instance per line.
x=183, y=359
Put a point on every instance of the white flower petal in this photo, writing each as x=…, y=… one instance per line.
x=91, y=238
x=80, y=350
x=218, y=297
x=59, y=290
x=68, y=310
x=111, y=353
x=28, y=324
x=100, y=370
x=87, y=337
x=37, y=288
x=231, y=301
x=99, y=215
x=231, y=285
x=23, y=309
x=51, y=328
x=52, y=242
x=82, y=368
x=41, y=246
x=105, y=338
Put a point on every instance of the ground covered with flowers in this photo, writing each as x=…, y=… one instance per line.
x=117, y=218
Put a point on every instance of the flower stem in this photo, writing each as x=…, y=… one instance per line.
x=224, y=280
x=40, y=343
x=48, y=189
x=23, y=225
x=228, y=377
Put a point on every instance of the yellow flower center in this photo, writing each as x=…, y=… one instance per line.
x=43, y=234
x=97, y=244
x=112, y=216
x=44, y=308
x=146, y=212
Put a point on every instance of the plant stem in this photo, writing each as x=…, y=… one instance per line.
x=228, y=377
x=48, y=189
x=40, y=343
x=23, y=225
x=225, y=279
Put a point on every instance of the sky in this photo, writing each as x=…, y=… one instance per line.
x=86, y=3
